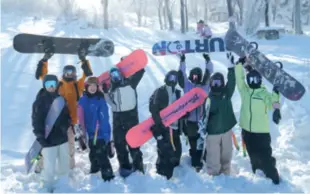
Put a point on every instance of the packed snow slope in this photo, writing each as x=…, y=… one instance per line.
x=290, y=139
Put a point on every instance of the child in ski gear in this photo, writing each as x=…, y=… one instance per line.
x=94, y=118
x=256, y=100
x=70, y=89
x=169, y=148
x=195, y=79
x=55, y=146
x=221, y=120
x=122, y=97
x=203, y=29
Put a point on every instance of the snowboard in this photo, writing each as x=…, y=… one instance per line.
x=32, y=43
x=141, y=133
x=35, y=149
x=163, y=48
x=287, y=85
x=132, y=63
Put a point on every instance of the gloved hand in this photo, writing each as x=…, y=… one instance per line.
x=105, y=88
x=276, y=116
x=157, y=132
x=47, y=56
x=39, y=69
x=242, y=60
x=86, y=69
x=182, y=58
x=275, y=89
x=82, y=54
x=231, y=60
x=206, y=57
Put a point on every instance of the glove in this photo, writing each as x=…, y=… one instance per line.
x=111, y=149
x=82, y=54
x=231, y=59
x=275, y=89
x=242, y=60
x=86, y=69
x=206, y=57
x=39, y=69
x=182, y=57
x=276, y=116
x=47, y=56
x=157, y=131
x=105, y=88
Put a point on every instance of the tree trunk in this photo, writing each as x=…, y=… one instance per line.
x=159, y=9
x=106, y=14
x=267, y=13
x=274, y=10
x=169, y=14
x=230, y=13
x=182, y=14
x=186, y=16
x=205, y=17
x=298, y=29
x=165, y=15
x=240, y=5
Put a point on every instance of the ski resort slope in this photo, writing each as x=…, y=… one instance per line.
x=290, y=139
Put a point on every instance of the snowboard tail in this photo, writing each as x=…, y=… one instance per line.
x=31, y=43
x=141, y=133
x=287, y=85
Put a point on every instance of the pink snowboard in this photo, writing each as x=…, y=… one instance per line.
x=132, y=63
x=141, y=133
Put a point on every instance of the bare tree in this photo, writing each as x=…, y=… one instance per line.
x=186, y=16
x=165, y=15
x=240, y=7
x=105, y=4
x=267, y=13
x=297, y=19
x=138, y=7
x=230, y=13
x=254, y=11
x=274, y=7
x=169, y=14
x=205, y=16
x=182, y=14
x=159, y=12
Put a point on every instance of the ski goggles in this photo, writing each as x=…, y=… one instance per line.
x=50, y=84
x=115, y=76
x=69, y=73
x=216, y=83
x=254, y=80
x=172, y=78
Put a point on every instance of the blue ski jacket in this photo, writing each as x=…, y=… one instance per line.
x=93, y=113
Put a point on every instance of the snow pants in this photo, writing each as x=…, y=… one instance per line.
x=168, y=153
x=260, y=153
x=98, y=157
x=120, y=129
x=52, y=155
x=219, y=149
x=71, y=141
x=192, y=135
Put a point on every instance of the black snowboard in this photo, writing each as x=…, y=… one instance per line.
x=31, y=43
x=288, y=86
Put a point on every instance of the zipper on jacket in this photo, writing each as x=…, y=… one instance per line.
x=251, y=110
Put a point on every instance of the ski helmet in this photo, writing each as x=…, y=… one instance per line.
x=171, y=78
x=116, y=75
x=254, y=79
x=217, y=82
x=50, y=80
x=92, y=80
x=69, y=73
x=200, y=22
x=195, y=75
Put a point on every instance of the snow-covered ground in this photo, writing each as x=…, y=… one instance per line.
x=290, y=139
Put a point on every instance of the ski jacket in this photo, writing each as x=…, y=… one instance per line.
x=71, y=91
x=221, y=116
x=123, y=98
x=93, y=115
x=40, y=109
x=187, y=85
x=204, y=30
x=160, y=99
x=255, y=104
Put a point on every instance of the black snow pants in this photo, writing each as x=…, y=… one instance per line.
x=191, y=131
x=121, y=125
x=168, y=156
x=260, y=153
x=99, y=160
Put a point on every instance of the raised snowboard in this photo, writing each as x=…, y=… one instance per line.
x=163, y=48
x=132, y=63
x=53, y=114
x=31, y=43
x=141, y=133
x=287, y=85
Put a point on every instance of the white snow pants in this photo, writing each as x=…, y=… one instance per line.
x=51, y=155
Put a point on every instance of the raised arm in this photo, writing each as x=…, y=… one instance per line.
x=42, y=67
x=208, y=69
x=87, y=71
x=240, y=78
x=231, y=83
x=182, y=69
x=136, y=78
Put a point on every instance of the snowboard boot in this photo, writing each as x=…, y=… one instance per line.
x=107, y=174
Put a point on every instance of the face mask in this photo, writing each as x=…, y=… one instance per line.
x=216, y=83
x=172, y=80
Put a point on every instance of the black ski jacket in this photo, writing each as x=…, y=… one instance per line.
x=40, y=109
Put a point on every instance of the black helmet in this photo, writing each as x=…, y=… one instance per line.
x=254, y=79
x=217, y=82
x=201, y=22
x=195, y=75
x=50, y=80
x=171, y=78
x=69, y=73
x=115, y=75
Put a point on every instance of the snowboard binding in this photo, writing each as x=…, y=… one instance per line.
x=48, y=46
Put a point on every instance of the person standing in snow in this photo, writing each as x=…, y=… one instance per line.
x=94, y=119
x=255, y=103
x=168, y=152
x=221, y=120
x=195, y=79
x=71, y=89
x=123, y=99
x=55, y=146
x=203, y=30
